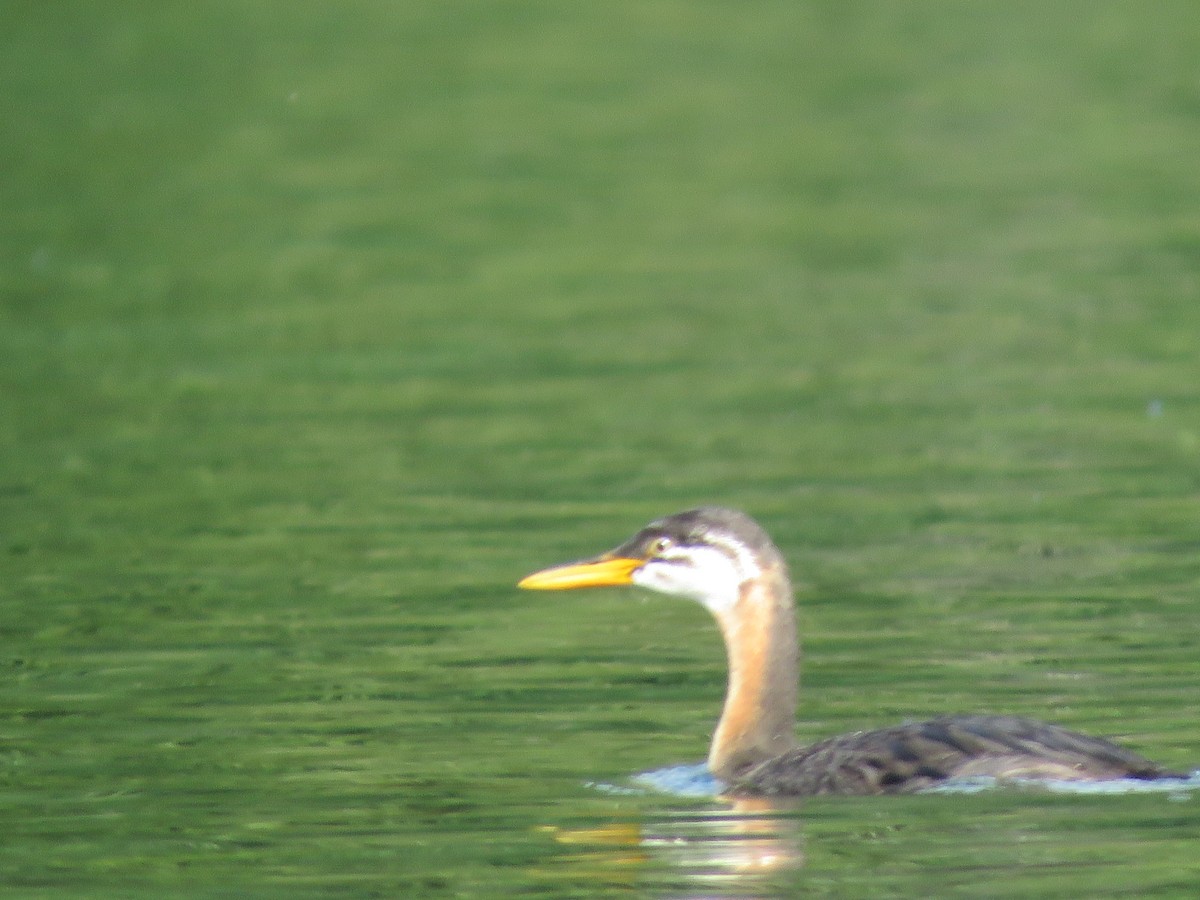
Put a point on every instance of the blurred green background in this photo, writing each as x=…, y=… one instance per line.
x=321, y=324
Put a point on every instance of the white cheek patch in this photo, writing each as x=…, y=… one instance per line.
x=744, y=560
x=704, y=574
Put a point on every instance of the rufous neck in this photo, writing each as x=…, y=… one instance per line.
x=759, y=718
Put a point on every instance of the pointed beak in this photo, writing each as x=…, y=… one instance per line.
x=606, y=571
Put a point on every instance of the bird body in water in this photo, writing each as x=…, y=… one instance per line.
x=724, y=560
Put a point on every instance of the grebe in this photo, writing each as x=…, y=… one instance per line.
x=724, y=560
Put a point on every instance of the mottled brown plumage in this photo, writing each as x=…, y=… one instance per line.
x=906, y=758
x=724, y=560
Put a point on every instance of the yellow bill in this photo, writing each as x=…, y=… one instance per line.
x=594, y=573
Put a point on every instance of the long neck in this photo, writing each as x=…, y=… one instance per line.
x=759, y=718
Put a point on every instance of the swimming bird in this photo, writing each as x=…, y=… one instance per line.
x=724, y=560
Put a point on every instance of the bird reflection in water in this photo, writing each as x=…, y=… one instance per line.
x=733, y=848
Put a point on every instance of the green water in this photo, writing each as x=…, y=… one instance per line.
x=321, y=324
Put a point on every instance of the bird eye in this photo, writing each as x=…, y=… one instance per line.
x=661, y=544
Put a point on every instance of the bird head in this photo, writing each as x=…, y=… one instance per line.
x=705, y=555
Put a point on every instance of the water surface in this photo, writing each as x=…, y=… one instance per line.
x=320, y=328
